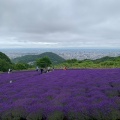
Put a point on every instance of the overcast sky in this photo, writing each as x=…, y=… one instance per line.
x=59, y=23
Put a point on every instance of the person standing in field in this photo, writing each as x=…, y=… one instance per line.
x=48, y=69
x=37, y=69
x=9, y=70
x=53, y=68
x=41, y=70
x=65, y=68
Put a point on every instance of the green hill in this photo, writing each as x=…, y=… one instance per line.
x=106, y=58
x=4, y=57
x=104, y=62
x=5, y=62
x=56, y=59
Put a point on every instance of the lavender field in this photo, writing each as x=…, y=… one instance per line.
x=84, y=94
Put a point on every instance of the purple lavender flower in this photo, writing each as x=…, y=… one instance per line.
x=71, y=94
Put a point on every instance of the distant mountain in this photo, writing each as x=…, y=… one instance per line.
x=56, y=59
x=103, y=59
x=106, y=58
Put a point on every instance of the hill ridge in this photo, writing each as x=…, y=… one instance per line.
x=56, y=59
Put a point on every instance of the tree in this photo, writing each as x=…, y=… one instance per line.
x=4, y=66
x=72, y=61
x=43, y=62
x=20, y=66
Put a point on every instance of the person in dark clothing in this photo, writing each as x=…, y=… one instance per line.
x=41, y=70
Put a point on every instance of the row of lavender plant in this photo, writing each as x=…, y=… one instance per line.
x=61, y=94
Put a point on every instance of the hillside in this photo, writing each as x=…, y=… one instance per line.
x=56, y=59
x=105, y=62
x=106, y=58
x=4, y=57
x=5, y=62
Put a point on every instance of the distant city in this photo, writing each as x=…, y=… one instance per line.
x=79, y=54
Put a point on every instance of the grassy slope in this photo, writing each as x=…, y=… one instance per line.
x=105, y=62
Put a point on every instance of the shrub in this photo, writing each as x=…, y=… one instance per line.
x=56, y=115
x=16, y=114
x=34, y=116
x=20, y=66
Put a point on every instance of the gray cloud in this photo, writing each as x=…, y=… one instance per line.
x=65, y=23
